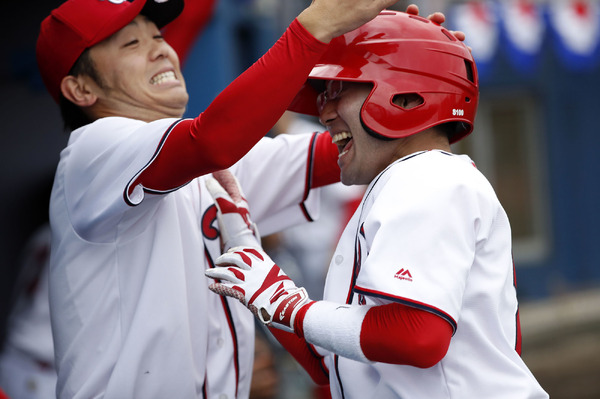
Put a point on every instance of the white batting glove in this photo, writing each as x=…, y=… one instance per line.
x=233, y=216
x=249, y=275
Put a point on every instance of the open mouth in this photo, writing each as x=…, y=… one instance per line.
x=341, y=140
x=163, y=77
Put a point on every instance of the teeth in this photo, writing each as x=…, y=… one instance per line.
x=342, y=154
x=163, y=77
x=341, y=136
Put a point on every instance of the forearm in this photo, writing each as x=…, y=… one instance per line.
x=304, y=355
x=390, y=333
x=239, y=117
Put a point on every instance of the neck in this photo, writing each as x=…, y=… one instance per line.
x=427, y=140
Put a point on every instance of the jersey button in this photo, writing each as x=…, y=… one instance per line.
x=220, y=343
x=339, y=259
x=223, y=396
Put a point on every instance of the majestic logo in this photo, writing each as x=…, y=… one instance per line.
x=403, y=274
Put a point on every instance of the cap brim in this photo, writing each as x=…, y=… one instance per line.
x=162, y=12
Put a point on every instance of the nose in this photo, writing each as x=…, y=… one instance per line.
x=329, y=112
x=160, y=49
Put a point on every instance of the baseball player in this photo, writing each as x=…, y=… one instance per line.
x=420, y=299
x=131, y=312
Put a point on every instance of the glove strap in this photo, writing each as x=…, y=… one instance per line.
x=286, y=310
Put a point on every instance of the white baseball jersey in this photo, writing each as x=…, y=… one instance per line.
x=430, y=233
x=131, y=312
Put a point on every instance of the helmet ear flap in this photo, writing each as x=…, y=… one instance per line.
x=387, y=113
x=403, y=101
x=386, y=110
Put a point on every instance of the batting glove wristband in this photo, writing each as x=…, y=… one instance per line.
x=249, y=275
x=233, y=216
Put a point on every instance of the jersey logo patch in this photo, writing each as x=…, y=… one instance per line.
x=403, y=274
x=209, y=220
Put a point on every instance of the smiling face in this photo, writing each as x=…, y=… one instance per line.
x=361, y=156
x=140, y=75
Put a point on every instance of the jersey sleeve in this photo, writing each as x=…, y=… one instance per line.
x=101, y=163
x=419, y=239
x=276, y=179
x=240, y=115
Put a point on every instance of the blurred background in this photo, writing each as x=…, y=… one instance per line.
x=536, y=138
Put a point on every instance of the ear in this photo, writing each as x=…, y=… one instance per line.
x=77, y=90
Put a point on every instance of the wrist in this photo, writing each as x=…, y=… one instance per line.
x=310, y=19
x=336, y=327
x=247, y=239
x=285, y=311
x=299, y=319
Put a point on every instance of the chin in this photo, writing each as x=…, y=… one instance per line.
x=347, y=181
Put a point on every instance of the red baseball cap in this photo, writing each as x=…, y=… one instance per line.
x=79, y=24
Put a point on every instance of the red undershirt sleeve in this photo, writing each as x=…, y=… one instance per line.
x=304, y=354
x=326, y=170
x=400, y=334
x=391, y=333
x=238, y=118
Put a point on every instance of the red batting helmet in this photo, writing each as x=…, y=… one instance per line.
x=79, y=24
x=400, y=54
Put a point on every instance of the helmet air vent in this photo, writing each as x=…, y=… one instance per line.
x=469, y=68
x=449, y=35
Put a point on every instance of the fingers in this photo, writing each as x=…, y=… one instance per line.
x=231, y=274
x=233, y=258
x=233, y=292
x=437, y=17
x=326, y=19
x=412, y=9
x=230, y=184
x=459, y=35
x=214, y=188
x=241, y=257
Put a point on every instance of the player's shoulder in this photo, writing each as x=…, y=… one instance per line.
x=429, y=172
x=443, y=165
x=111, y=130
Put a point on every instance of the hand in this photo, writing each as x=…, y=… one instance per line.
x=437, y=17
x=326, y=19
x=249, y=275
x=233, y=216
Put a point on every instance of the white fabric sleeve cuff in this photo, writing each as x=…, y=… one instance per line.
x=336, y=327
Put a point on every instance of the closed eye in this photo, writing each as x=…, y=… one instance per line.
x=131, y=43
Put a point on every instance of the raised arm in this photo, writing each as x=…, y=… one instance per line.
x=249, y=107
